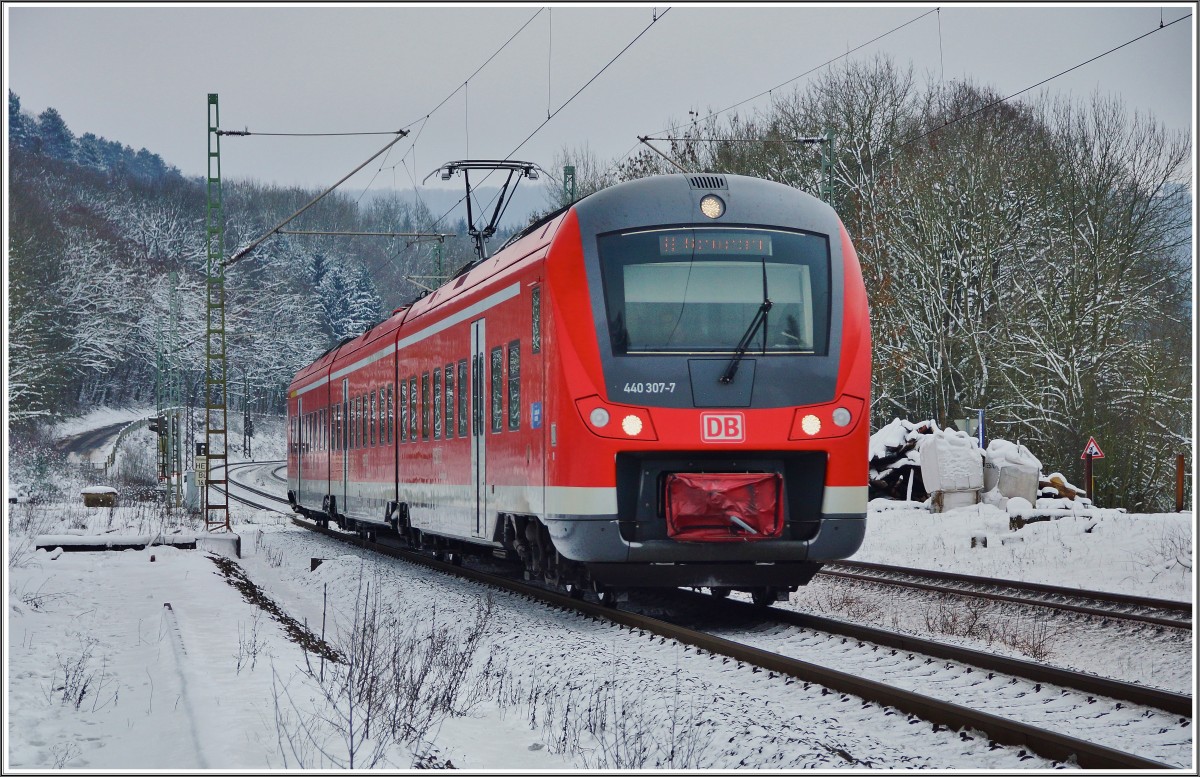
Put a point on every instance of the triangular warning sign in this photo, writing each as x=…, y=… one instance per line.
x=1093, y=449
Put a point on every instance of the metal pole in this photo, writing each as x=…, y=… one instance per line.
x=569, y=183
x=1087, y=475
x=677, y=166
x=401, y=134
x=1179, y=465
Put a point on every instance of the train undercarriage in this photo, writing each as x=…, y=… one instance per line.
x=525, y=544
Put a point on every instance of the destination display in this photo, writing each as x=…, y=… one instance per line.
x=726, y=243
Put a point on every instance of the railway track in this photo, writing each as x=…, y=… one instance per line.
x=1046, y=743
x=275, y=502
x=1101, y=604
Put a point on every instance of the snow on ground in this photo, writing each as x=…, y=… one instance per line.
x=153, y=660
x=99, y=418
x=1094, y=549
x=117, y=661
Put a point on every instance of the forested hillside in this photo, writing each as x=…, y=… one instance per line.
x=95, y=231
x=1032, y=259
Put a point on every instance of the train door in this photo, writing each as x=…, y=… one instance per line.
x=300, y=462
x=478, y=430
x=343, y=498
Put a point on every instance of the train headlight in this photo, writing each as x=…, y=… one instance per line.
x=599, y=417
x=712, y=206
x=810, y=424
x=632, y=425
x=841, y=416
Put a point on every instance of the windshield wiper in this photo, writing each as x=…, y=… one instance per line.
x=760, y=319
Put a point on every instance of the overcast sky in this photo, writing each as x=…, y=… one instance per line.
x=141, y=74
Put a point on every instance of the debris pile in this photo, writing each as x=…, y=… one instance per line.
x=895, y=468
x=1011, y=475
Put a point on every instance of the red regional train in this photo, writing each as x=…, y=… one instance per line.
x=664, y=384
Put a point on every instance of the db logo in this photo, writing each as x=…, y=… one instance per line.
x=722, y=427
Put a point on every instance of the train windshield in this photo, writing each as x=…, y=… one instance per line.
x=700, y=290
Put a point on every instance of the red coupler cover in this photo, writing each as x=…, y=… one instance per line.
x=724, y=507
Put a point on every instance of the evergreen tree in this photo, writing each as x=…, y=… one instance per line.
x=55, y=138
x=20, y=127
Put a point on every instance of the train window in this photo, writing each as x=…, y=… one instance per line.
x=449, y=401
x=514, y=385
x=358, y=416
x=412, y=408
x=391, y=414
x=425, y=406
x=535, y=338
x=402, y=411
x=463, y=394
x=372, y=416
x=437, y=404
x=702, y=290
x=497, y=388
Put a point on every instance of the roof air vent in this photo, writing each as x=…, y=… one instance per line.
x=708, y=182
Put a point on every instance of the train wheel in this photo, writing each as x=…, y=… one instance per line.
x=720, y=592
x=574, y=590
x=608, y=598
x=456, y=559
x=763, y=597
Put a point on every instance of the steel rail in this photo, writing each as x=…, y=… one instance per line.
x=229, y=481
x=1168, y=701
x=1103, y=596
x=997, y=583
x=1047, y=744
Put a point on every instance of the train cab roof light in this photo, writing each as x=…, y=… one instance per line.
x=712, y=206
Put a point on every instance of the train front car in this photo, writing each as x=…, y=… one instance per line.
x=712, y=410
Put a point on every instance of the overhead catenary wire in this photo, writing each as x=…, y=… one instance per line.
x=994, y=103
x=655, y=20
x=248, y=133
x=242, y=254
x=814, y=69
x=942, y=126
x=770, y=91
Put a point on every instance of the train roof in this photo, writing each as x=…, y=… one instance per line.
x=534, y=240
